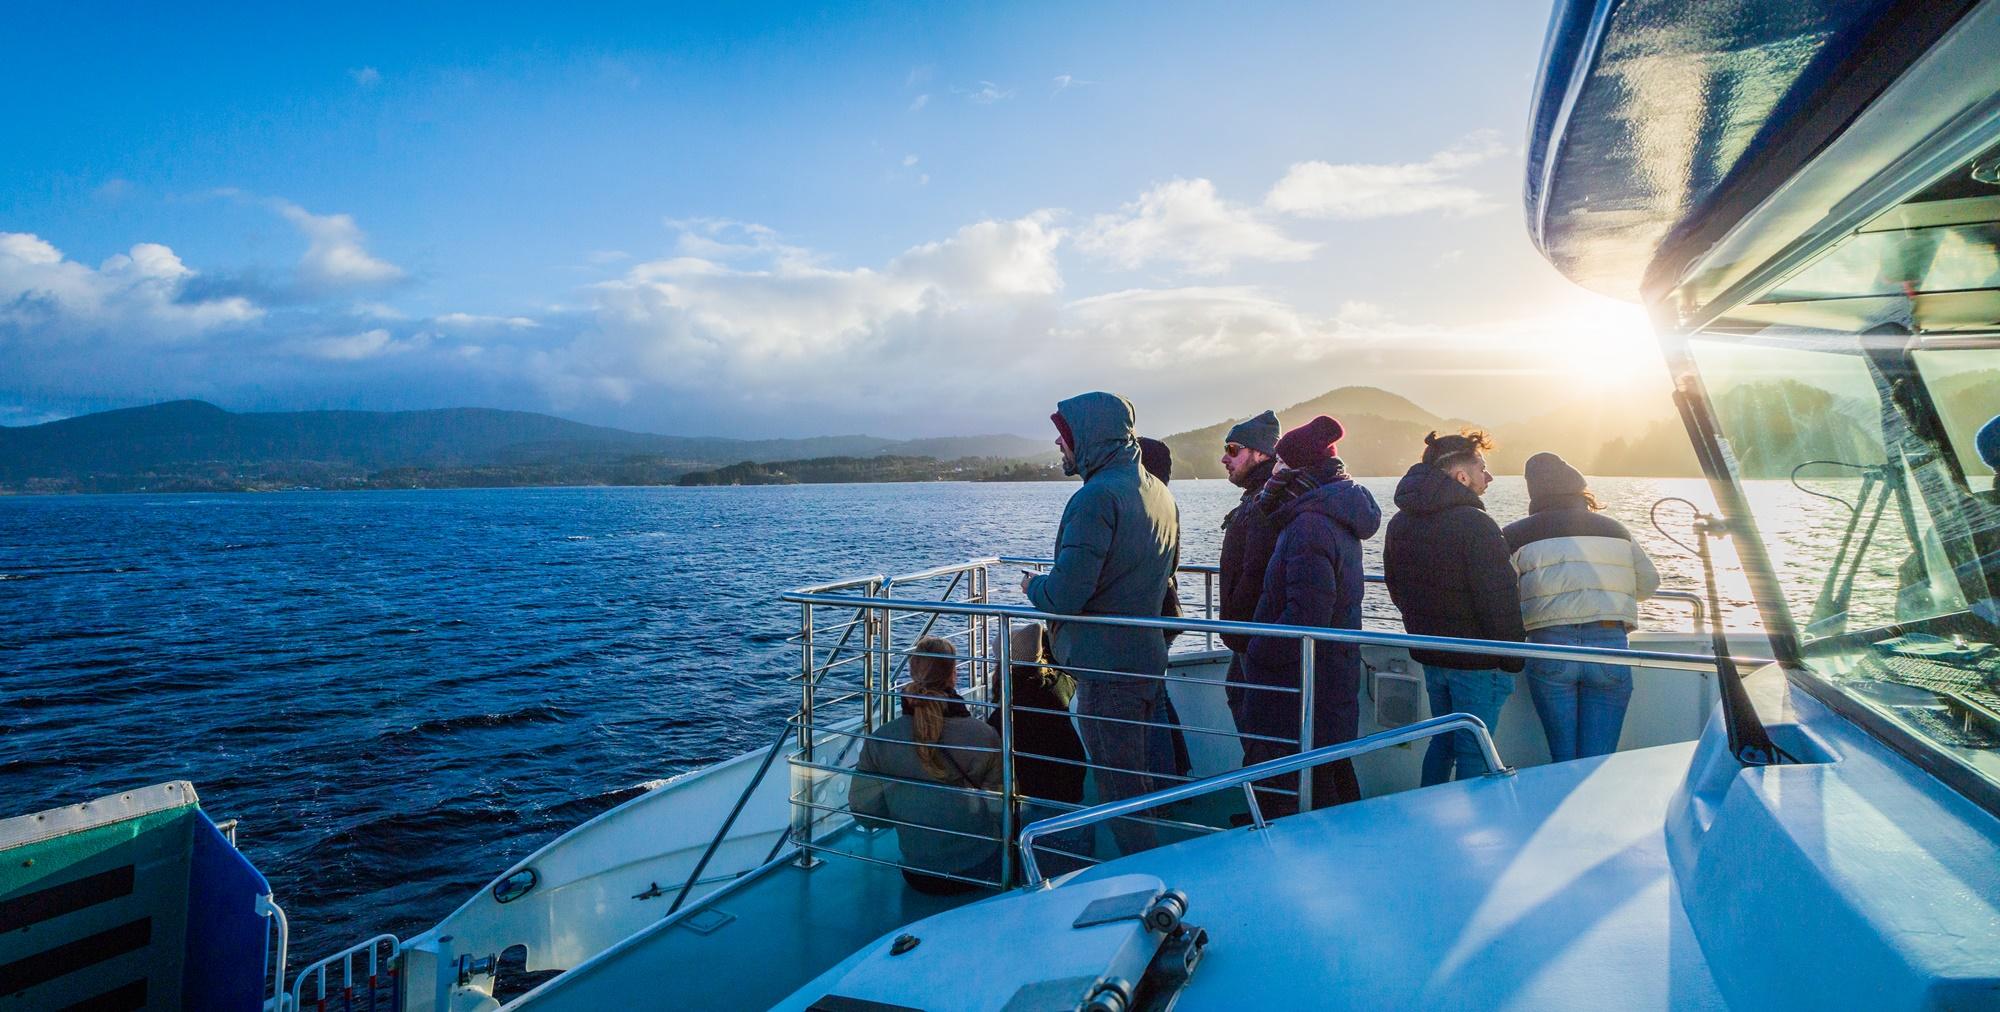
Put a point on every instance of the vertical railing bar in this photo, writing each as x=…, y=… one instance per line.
x=803, y=829
x=888, y=632
x=1004, y=652
x=1306, y=655
x=1208, y=606
x=1256, y=810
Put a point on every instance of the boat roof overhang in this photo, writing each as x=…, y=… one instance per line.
x=1756, y=162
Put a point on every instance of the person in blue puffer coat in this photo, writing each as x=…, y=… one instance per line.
x=1314, y=579
x=1582, y=578
x=1115, y=552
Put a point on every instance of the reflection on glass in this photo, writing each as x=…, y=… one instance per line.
x=1887, y=562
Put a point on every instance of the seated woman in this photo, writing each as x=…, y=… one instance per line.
x=916, y=770
x=1040, y=738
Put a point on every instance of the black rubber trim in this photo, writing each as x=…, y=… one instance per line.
x=125, y=998
x=64, y=898
x=69, y=957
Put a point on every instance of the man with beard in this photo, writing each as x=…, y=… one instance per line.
x=1249, y=453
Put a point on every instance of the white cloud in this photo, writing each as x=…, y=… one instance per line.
x=600, y=257
x=354, y=347
x=1355, y=190
x=917, y=104
x=334, y=255
x=366, y=77
x=470, y=321
x=140, y=294
x=782, y=325
x=1186, y=223
x=988, y=93
x=909, y=160
x=1064, y=82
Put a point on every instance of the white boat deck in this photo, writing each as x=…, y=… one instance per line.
x=749, y=948
x=1549, y=889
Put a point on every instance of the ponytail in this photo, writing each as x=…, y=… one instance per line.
x=933, y=674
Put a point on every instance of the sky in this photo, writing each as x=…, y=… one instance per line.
x=772, y=220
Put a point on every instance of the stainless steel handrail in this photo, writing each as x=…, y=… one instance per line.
x=1249, y=775
x=1687, y=597
x=1442, y=644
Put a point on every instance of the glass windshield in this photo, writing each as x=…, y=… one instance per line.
x=1856, y=455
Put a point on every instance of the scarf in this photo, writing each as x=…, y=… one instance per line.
x=1285, y=486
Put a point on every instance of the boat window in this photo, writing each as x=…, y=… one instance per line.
x=1964, y=384
x=1855, y=455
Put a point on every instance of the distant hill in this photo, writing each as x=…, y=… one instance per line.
x=848, y=470
x=1385, y=435
x=196, y=445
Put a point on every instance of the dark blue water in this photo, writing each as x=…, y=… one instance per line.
x=402, y=692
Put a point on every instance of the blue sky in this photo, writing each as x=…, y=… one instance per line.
x=903, y=219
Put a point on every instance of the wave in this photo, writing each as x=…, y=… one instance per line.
x=542, y=713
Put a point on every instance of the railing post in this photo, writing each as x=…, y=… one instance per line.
x=1004, y=653
x=1306, y=654
x=868, y=620
x=883, y=700
x=1208, y=607
x=802, y=814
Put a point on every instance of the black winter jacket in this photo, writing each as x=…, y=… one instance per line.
x=1248, y=538
x=1048, y=735
x=1314, y=579
x=1448, y=570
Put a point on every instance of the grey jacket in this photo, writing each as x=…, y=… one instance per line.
x=897, y=787
x=1115, y=549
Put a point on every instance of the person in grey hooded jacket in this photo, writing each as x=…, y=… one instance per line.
x=1115, y=551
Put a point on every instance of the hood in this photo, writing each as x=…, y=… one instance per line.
x=1102, y=424
x=1425, y=489
x=1342, y=501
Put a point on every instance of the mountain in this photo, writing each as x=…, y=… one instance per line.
x=1385, y=432
x=193, y=444
x=1385, y=435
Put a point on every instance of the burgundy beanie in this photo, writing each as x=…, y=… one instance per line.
x=1311, y=443
x=1062, y=429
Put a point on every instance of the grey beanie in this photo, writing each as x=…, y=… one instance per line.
x=1550, y=475
x=1259, y=433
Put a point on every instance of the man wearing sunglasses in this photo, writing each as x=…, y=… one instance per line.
x=1248, y=453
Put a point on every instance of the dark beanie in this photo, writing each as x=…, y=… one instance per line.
x=1550, y=475
x=1156, y=458
x=1988, y=442
x=1259, y=433
x=1311, y=443
x=1062, y=430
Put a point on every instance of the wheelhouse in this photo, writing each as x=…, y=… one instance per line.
x=1807, y=198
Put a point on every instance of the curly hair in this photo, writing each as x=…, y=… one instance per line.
x=1447, y=451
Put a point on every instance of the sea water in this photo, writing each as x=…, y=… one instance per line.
x=400, y=693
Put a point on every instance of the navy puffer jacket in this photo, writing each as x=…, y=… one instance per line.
x=1314, y=579
x=1448, y=570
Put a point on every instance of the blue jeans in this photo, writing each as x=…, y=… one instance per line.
x=1480, y=693
x=1126, y=753
x=1582, y=705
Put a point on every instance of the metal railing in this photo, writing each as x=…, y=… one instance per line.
x=1248, y=776
x=837, y=712
x=372, y=949
x=281, y=931
x=1210, y=574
